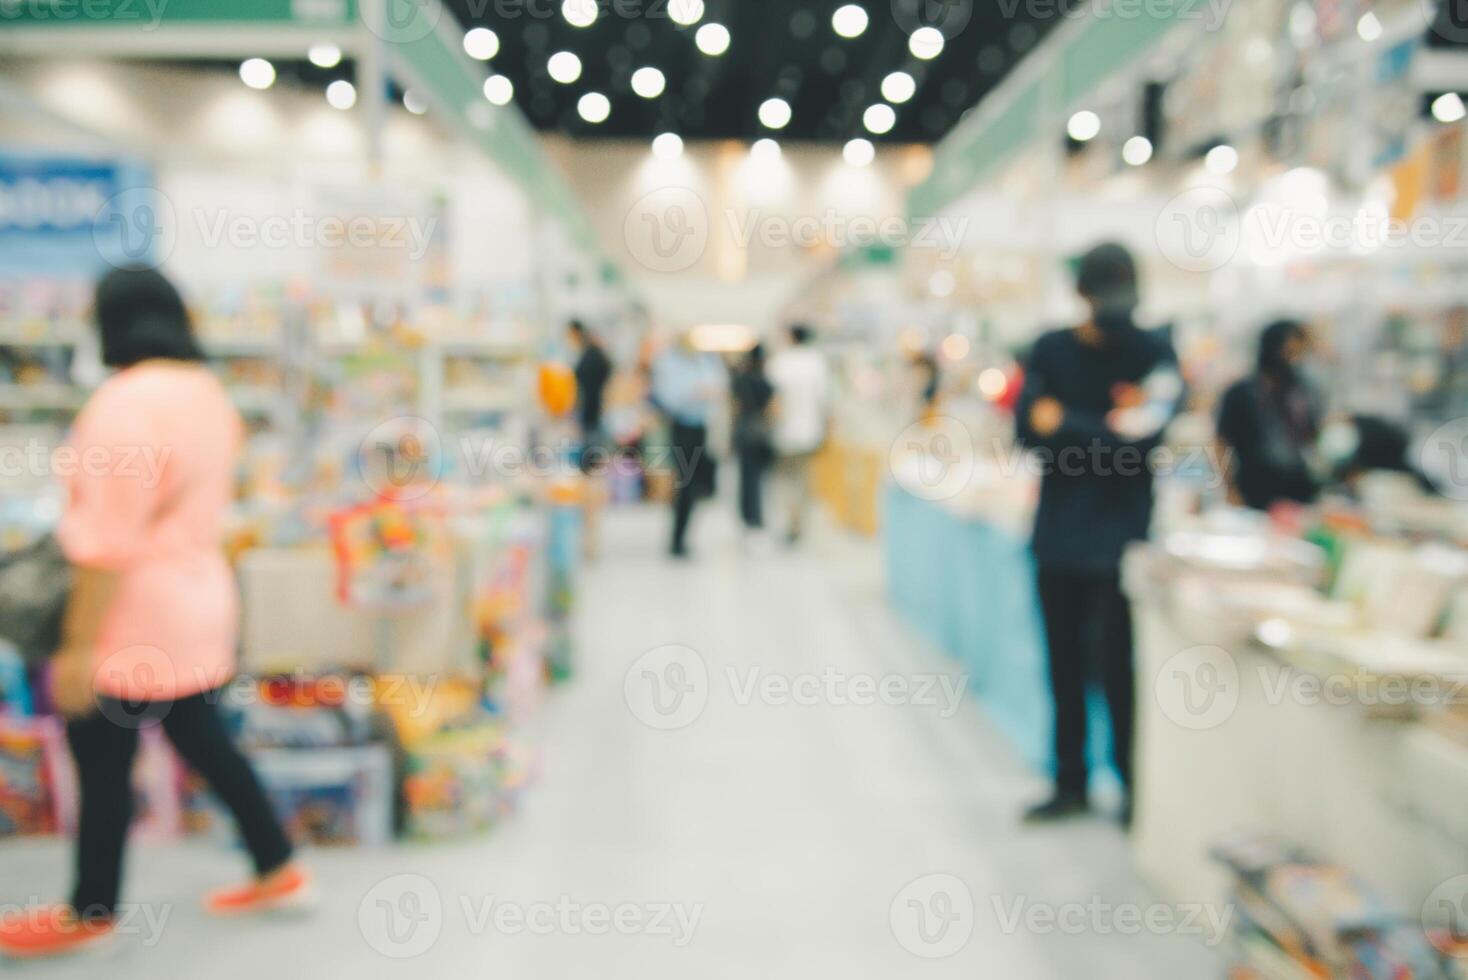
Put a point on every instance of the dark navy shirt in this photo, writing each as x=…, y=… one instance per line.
x=1096, y=487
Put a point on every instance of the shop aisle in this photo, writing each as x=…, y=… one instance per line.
x=766, y=838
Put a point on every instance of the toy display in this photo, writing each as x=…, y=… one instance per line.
x=330, y=796
x=30, y=751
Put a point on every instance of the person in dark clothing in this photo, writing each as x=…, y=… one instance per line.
x=593, y=371
x=1268, y=424
x=752, y=393
x=1095, y=402
x=686, y=383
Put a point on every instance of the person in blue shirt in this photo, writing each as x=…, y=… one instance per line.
x=1095, y=403
x=686, y=384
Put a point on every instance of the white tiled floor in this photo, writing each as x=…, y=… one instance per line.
x=790, y=831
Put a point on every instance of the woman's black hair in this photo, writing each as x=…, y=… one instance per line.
x=141, y=316
x=1273, y=341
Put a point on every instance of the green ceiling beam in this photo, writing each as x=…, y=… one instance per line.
x=1031, y=103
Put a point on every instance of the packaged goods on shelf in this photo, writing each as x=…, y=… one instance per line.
x=1297, y=916
x=32, y=759
x=330, y=796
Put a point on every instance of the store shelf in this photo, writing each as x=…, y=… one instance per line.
x=482, y=400
x=41, y=397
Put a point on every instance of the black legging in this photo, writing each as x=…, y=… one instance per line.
x=104, y=743
x=752, y=465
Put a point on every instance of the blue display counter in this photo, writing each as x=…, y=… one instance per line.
x=969, y=588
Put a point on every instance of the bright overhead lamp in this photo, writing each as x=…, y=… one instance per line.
x=1084, y=126
x=898, y=87
x=668, y=146
x=1369, y=28
x=324, y=55
x=712, y=39
x=765, y=150
x=648, y=82
x=1221, y=160
x=1448, y=108
x=564, y=67
x=926, y=43
x=499, y=89
x=849, y=21
x=257, y=73
x=879, y=119
x=414, y=103
x=579, y=13
x=774, y=113
x=1137, y=151
x=685, y=12
x=859, y=152
x=594, y=107
x=481, y=43
x=341, y=94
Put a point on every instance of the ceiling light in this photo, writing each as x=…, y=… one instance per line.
x=898, y=87
x=341, y=94
x=499, y=89
x=648, y=82
x=685, y=12
x=668, y=146
x=765, y=150
x=579, y=13
x=926, y=43
x=1137, y=150
x=712, y=39
x=1221, y=160
x=1084, y=126
x=1448, y=108
x=1369, y=28
x=324, y=55
x=594, y=107
x=257, y=73
x=414, y=103
x=774, y=113
x=879, y=118
x=564, y=67
x=849, y=21
x=859, y=152
x=481, y=44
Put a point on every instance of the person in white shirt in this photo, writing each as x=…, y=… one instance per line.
x=802, y=384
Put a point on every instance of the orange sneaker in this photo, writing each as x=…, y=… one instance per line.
x=44, y=932
x=290, y=888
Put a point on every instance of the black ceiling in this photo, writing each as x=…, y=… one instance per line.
x=784, y=48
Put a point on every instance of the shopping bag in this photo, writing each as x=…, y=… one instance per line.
x=34, y=584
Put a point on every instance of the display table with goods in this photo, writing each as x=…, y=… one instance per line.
x=959, y=571
x=1311, y=687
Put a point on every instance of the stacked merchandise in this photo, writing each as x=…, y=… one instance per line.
x=31, y=750
x=1295, y=916
x=322, y=757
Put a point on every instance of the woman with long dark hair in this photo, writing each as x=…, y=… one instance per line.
x=1268, y=423
x=148, y=636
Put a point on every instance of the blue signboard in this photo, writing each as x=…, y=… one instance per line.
x=74, y=215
